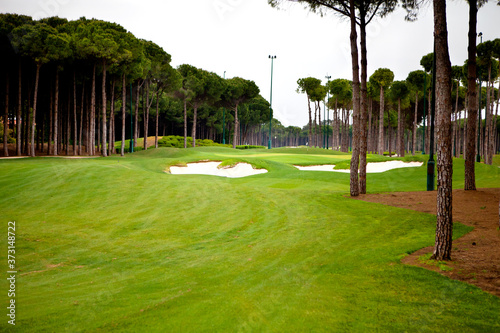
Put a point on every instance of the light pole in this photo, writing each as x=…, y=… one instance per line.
x=224, y=120
x=328, y=77
x=271, y=102
x=431, y=164
x=425, y=93
x=478, y=157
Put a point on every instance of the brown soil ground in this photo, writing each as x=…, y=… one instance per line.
x=475, y=256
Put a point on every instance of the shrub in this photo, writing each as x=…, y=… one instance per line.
x=250, y=147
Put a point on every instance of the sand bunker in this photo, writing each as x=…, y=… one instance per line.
x=375, y=167
x=211, y=168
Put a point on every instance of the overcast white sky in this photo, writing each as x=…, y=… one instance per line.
x=237, y=36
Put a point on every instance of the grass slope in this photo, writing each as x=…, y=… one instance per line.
x=116, y=244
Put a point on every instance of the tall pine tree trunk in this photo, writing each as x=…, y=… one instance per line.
x=6, y=118
x=18, y=114
x=75, y=123
x=470, y=151
x=363, y=105
x=354, y=180
x=400, y=138
x=414, y=135
x=195, y=118
x=91, y=147
x=456, y=125
x=320, y=133
x=310, y=121
x=381, y=124
x=185, y=123
x=136, y=114
x=236, y=126
x=156, y=122
x=37, y=79
x=80, y=137
x=111, y=140
x=146, y=117
x=68, y=123
x=104, y=150
x=124, y=101
x=56, y=115
x=444, y=226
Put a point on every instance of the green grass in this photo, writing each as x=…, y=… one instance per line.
x=117, y=244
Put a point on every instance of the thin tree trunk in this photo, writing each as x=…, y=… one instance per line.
x=75, y=125
x=470, y=174
x=6, y=118
x=81, y=120
x=146, y=117
x=68, y=123
x=354, y=180
x=56, y=115
x=124, y=101
x=111, y=141
x=400, y=137
x=414, y=135
x=320, y=132
x=310, y=121
x=156, y=122
x=236, y=126
x=363, y=106
x=381, y=124
x=195, y=117
x=91, y=147
x=136, y=115
x=104, y=150
x=185, y=123
x=444, y=225
x=37, y=79
x=18, y=114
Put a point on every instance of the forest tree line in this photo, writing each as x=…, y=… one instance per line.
x=76, y=87
x=399, y=111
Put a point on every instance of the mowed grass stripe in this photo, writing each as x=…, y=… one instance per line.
x=107, y=247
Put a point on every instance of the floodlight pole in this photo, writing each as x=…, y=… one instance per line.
x=271, y=102
x=431, y=164
x=328, y=77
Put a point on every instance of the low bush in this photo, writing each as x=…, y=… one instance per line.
x=250, y=147
x=177, y=141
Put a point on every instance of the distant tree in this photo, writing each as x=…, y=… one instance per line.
x=238, y=91
x=399, y=91
x=382, y=79
x=485, y=52
x=341, y=96
x=317, y=96
x=416, y=80
x=185, y=92
x=41, y=43
x=206, y=87
x=307, y=86
x=456, y=75
x=159, y=73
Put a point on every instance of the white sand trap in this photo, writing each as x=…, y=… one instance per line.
x=374, y=167
x=325, y=167
x=211, y=168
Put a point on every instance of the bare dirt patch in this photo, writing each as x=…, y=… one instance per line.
x=475, y=256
